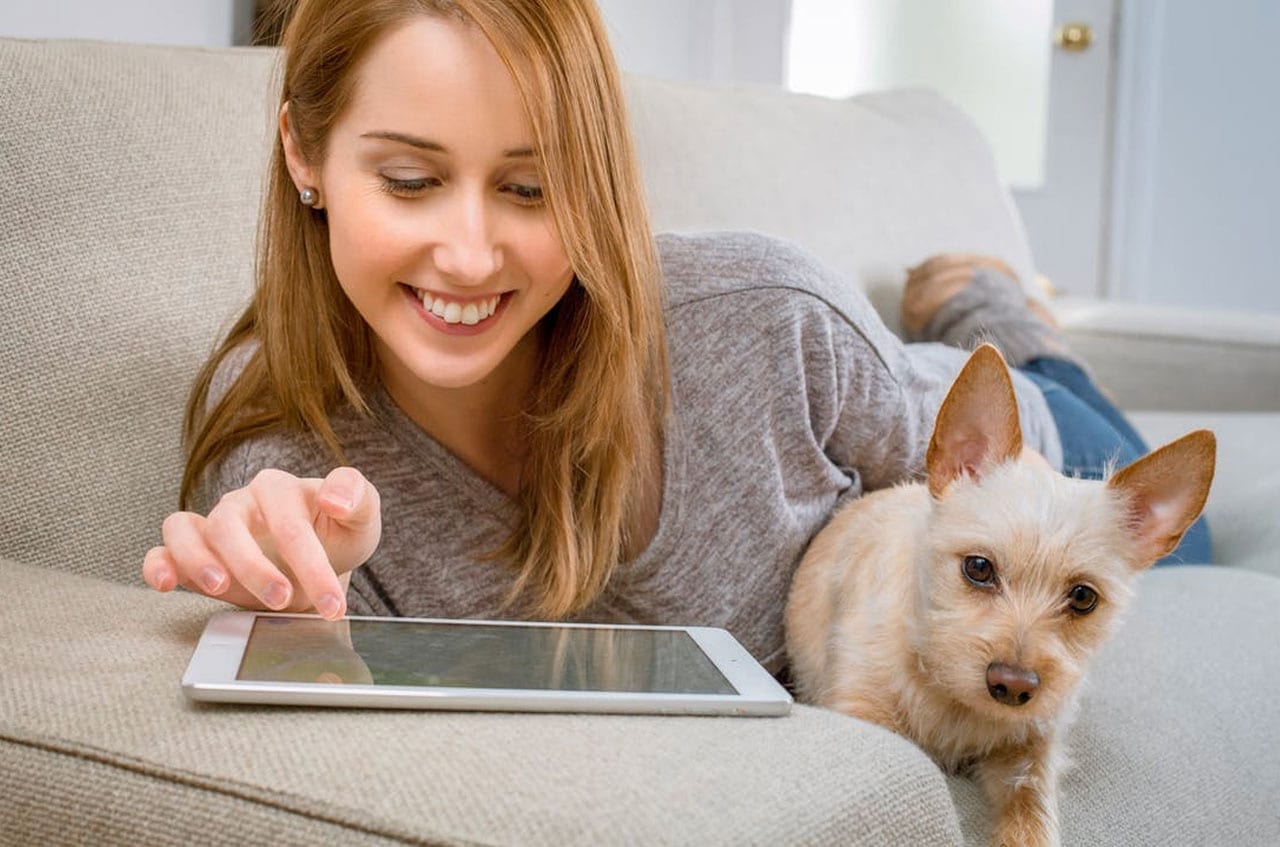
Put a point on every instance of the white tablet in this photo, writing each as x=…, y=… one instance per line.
x=420, y=663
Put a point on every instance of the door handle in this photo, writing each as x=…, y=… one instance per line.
x=1074, y=37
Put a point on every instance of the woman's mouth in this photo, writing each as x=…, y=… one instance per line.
x=457, y=316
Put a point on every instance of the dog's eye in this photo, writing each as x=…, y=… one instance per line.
x=1082, y=599
x=979, y=570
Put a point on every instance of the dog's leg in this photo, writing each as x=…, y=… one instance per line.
x=1021, y=784
x=864, y=706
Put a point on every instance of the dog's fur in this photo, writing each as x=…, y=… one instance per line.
x=884, y=624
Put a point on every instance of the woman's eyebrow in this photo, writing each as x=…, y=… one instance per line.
x=437, y=147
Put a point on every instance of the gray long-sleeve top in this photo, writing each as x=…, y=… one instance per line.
x=789, y=396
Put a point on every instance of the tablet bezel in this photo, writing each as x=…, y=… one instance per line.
x=211, y=677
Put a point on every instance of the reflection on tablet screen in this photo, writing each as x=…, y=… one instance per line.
x=479, y=656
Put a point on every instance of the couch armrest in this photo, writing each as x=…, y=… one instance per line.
x=1174, y=358
x=98, y=745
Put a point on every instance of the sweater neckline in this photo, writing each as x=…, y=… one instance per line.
x=491, y=499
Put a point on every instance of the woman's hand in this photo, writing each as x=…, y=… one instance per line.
x=279, y=543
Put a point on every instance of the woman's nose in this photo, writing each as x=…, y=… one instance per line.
x=467, y=252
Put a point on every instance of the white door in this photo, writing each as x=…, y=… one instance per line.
x=1196, y=173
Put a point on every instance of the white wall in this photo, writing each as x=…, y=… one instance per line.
x=206, y=23
x=721, y=41
x=1197, y=166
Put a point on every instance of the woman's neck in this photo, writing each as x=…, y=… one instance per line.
x=479, y=423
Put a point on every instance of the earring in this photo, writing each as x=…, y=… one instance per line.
x=309, y=196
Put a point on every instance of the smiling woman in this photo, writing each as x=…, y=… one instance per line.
x=445, y=223
x=463, y=325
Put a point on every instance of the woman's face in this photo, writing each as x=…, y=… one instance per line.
x=438, y=230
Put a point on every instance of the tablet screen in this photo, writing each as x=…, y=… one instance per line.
x=433, y=654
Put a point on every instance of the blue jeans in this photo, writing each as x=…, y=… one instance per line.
x=1094, y=435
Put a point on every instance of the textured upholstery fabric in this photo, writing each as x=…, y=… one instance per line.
x=125, y=248
x=114, y=702
x=1175, y=735
x=54, y=795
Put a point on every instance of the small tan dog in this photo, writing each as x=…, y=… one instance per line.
x=961, y=613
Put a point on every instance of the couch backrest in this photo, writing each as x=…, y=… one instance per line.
x=129, y=184
x=871, y=184
x=128, y=196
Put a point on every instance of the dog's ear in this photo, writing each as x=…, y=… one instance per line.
x=1165, y=491
x=977, y=424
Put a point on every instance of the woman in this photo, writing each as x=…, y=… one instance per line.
x=460, y=305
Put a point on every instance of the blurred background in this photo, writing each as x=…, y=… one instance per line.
x=1139, y=137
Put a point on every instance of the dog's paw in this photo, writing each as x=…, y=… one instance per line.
x=1028, y=830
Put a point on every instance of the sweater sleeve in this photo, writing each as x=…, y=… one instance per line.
x=883, y=395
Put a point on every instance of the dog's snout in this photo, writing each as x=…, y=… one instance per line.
x=1010, y=684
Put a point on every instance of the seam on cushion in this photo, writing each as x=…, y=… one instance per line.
x=242, y=791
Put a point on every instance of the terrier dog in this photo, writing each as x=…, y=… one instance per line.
x=962, y=612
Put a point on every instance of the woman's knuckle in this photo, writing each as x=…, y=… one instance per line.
x=172, y=521
x=269, y=478
x=221, y=525
x=291, y=535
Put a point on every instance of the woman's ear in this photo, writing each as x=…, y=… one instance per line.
x=300, y=171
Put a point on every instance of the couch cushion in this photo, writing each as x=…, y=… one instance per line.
x=128, y=205
x=1176, y=736
x=94, y=729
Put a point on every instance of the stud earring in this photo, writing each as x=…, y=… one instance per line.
x=309, y=196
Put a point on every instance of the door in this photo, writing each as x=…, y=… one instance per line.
x=1196, y=204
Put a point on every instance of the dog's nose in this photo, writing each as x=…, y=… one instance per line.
x=1010, y=684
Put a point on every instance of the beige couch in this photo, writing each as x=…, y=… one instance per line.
x=129, y=178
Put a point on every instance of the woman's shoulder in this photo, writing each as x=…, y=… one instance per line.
x=229, y=370
x=745, y=270
x=706, y=263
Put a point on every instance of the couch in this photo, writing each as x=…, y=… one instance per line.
x=129, y=180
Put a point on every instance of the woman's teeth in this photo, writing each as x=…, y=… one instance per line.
x=457, y=313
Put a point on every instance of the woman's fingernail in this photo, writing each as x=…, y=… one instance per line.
x=211, y=580
x=341, y=499
x=329, y=606
x=275, y=595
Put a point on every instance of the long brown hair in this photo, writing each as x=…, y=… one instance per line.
x=594, y=421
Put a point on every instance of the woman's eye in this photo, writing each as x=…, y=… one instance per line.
x=979, y=570
x=408, y=187
x=530, y=195
x=1082, y=599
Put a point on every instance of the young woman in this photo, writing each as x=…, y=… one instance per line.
x=471, y=383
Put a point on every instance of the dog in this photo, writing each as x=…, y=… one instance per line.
x=961, y=611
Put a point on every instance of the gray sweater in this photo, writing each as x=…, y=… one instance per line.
x=789, y=397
